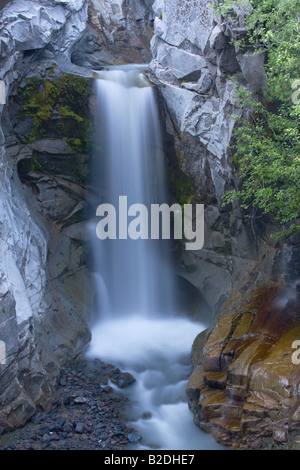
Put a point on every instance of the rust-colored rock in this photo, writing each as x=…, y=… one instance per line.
x=247, y=389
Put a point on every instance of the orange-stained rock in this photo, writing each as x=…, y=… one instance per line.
x=249, y=387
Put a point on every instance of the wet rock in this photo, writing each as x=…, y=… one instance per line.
x=63, y=381
x=125, y=379
x=53, y=436
x=257, y=444
x=134, y=438
x=77, y=426
x=249, y=386
x=67, y=400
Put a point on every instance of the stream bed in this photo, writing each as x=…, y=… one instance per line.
x=156, y=352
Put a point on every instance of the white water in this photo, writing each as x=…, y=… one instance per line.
x=136, y=328
x=157, y=353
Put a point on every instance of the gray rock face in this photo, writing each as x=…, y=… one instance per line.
x=252, y=67
x=181, y=22
x=192, y=60
x=118, y=32
x=198, y=98
x=37, y=333
x=198, y=72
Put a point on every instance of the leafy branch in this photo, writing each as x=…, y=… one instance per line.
x=266, y=151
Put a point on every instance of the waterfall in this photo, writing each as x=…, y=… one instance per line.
x=131, y=165
x=136, y=327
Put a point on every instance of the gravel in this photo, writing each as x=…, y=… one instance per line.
x=88, y=415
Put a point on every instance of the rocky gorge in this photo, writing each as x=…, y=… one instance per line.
x=244, y=387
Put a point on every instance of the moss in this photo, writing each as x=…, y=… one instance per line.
x=181, y=159
x=183, y=189
x=189, y=268
x=225, y=250
x=59, y=107
x=181, y=185
x=36, y=164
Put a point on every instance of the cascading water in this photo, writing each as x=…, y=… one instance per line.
x=131, y=166
x=136, y=328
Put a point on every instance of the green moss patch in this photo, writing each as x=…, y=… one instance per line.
x=59, y=109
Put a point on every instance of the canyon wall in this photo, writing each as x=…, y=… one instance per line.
x=42, y=310
x=244, y=387
x=50, y=50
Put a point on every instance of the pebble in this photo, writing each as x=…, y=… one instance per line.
x=133, y=437
x=89, y=414
x=79, y=428
x=80, y=400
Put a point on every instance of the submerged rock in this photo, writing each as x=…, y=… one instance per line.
x=134, y=438
x=125, y=379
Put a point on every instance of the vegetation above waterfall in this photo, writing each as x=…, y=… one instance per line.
x=266, y=150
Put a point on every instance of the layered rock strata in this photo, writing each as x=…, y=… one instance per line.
x=245, y=384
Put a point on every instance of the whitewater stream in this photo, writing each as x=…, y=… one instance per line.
x=135, y=326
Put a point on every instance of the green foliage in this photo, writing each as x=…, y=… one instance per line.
x=267, y=145
x=62, y=100
x=181, y=185
x=35, y=162
x=77, y=145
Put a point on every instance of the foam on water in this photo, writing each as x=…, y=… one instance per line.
x=157, y=353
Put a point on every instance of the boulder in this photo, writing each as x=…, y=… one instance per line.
x=179, y=21
x=121, y=31
x=252, y=67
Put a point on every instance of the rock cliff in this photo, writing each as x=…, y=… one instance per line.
x=42, y=316
x=198, y=72
x=48, y=51
x=244, y=385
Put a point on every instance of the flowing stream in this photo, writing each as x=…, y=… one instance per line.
x=136, y=327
